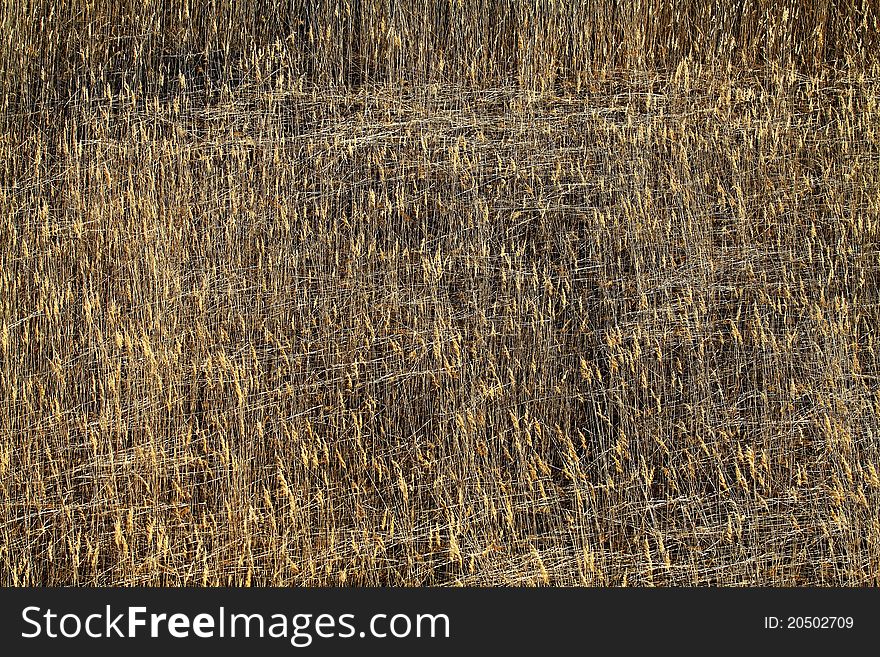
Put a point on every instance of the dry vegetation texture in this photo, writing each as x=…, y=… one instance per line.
x=436, y=293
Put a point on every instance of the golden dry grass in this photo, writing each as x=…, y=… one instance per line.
x=434, y=293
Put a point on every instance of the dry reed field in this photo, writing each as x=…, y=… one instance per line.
x=435, y=293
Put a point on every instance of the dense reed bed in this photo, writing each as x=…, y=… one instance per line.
x=438, y=293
